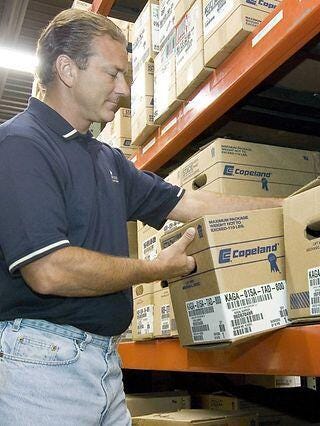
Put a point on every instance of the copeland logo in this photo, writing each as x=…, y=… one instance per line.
x=226, y=255
x=230, y=170
x=264, y=3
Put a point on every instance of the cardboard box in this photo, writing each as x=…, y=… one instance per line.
x=117, y=133
x=196, y=417
x=164, y=321
x=224, y=39
x=237, y=167
x=127, y=335
x=224, y=402
x=181, y=9
x=190, y=69
x=239, y=288
x=228, y=22
x=165, y=99
x=145, y=36
x=143, y=311
x=149, y=239
x=166, y=19
x=140, y=404
x=132, y=239
x=302, y=240
x=142, y=101
x=82, y=5
x=271, y=382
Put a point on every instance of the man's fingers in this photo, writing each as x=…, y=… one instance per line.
x=187, y=238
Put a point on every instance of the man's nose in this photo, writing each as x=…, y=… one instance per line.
x=122, y=86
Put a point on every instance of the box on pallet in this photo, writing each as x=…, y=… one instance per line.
x=222, y=401
x=142, y=100
x=244, y=168
x=164, y=321
x=165, y=99
x=143, y=311
x=228, y=22
x=190, y=69
x=140, y=404
x=196, y=417
x=239, y=288
x=302, y=240
x=145, y=36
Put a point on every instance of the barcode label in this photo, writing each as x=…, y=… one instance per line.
x=249, y=301
x=230, y=315
x=202, y=311
x=145, y=320
x=314, y=290
x=248, y=319
x=242, y=331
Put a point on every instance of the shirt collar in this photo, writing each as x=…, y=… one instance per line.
x=54, y=120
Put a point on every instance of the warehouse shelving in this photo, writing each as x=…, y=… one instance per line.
x=290, y=351
x=288, y=28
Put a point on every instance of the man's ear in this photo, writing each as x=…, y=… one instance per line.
x=66, y=69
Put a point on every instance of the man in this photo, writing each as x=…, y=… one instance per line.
x=65, y=277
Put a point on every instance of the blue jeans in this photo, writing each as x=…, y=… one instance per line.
x=57, y=375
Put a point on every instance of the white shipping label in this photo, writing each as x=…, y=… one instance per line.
x=186, y=37
x=150, y=248
x=234, y=314
x=214, y=13
x=314, y=290
x=165, y=320
x=155, y=27
x=145, y=320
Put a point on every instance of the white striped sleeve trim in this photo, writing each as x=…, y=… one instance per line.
x=180, y=192
x=70, y=133
x=36, y=253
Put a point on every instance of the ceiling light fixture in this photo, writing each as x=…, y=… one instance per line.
x=15, y=60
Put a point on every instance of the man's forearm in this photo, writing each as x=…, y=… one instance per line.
x=199, y=203
x=77, y=272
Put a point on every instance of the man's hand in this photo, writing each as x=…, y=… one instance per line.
x=173, y=261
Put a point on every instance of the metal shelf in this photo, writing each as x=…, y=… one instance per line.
x=288, y=28
x=290, y=351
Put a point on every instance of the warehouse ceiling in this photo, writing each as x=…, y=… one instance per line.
x=21, y=22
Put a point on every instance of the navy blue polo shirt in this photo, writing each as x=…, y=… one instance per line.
x=60, y=188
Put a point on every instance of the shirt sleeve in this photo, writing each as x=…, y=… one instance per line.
x=33, y=219
x=150, y=199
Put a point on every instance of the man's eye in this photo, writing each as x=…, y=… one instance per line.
x=114, y=76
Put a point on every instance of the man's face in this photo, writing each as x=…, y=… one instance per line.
x=98, y=88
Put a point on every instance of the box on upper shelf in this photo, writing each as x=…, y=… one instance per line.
x=227, y=23
x=145, y=36
x=190, y=68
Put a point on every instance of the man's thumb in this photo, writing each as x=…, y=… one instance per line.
x=187, y=237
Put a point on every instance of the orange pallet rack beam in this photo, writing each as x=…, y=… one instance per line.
x=288, y=28
x=290, y=351
x=102, y=6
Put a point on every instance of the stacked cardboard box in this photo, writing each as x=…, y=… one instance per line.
x=140, y=404
x=243, y=168
x=145, y=48
x=302, y=240
x=181, y=8
x=190, y=68
x=226, y=23
x=143, y=311
x=166, y=19
x=165, y=98
x=142, y=104
x=117, y=133
x=239, y=288
x=145, y=36
x=196, y=417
